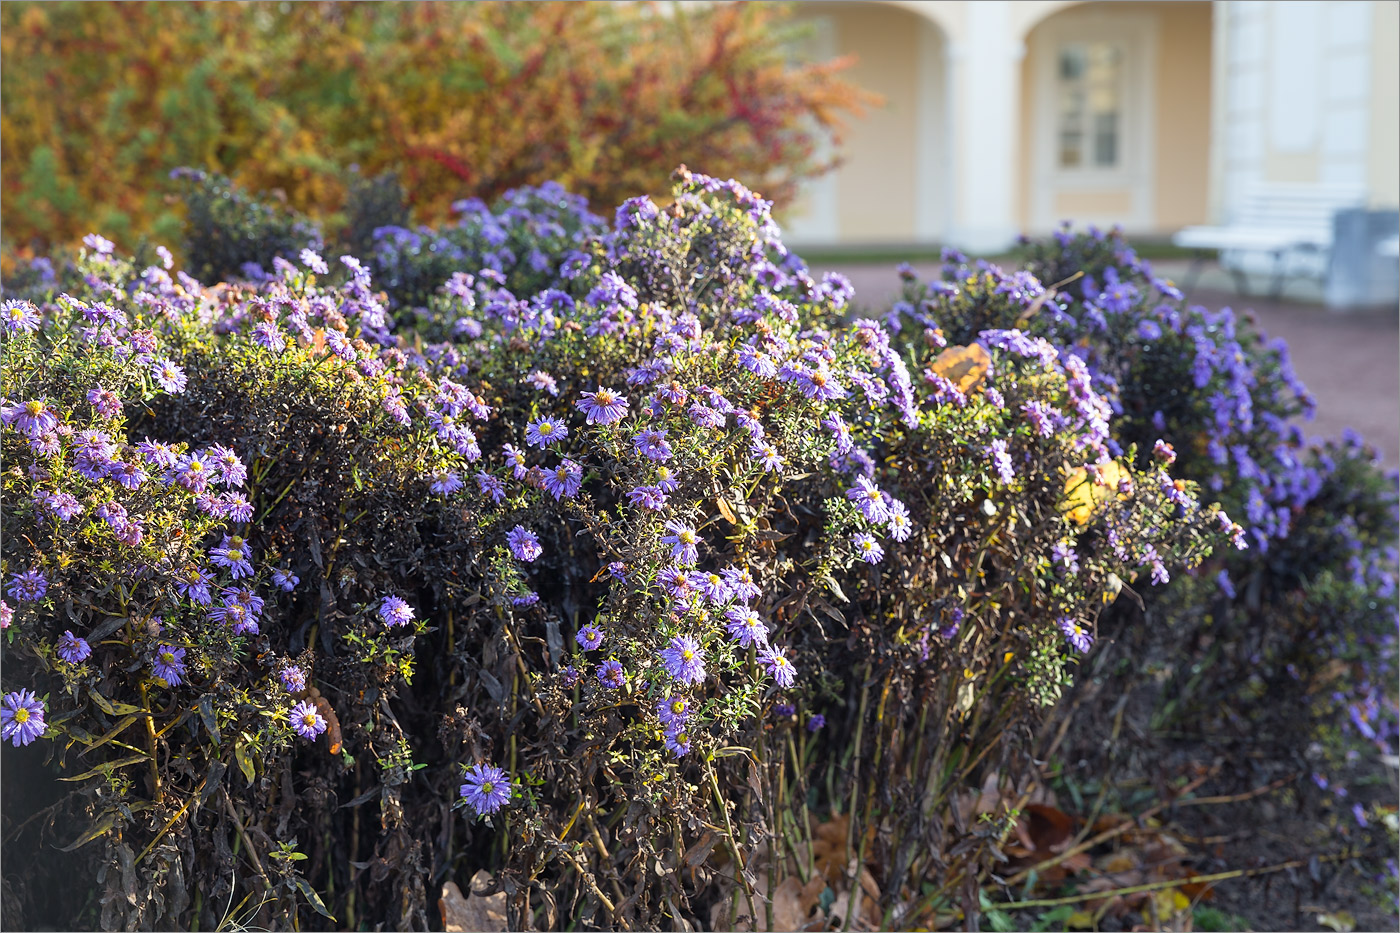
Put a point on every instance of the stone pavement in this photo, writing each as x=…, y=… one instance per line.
x=1350, y=360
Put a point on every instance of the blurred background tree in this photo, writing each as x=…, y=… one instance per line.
x=102, y=100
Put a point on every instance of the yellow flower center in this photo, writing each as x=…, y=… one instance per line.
x=678, y=707
x=308, y=719
x=714, y=579
x=167, y=657
x=819, y=378
x=34, y=407
x=686, y=537
x=687, y=655
x=546, y=428
x=196, y=466
x=603, y=397
x=21, y=715
x=488, y=787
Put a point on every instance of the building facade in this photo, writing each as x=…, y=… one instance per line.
x=1009, y=116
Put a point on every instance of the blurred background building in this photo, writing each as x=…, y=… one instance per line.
x=1005, y=117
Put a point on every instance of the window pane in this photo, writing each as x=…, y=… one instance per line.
x=1105, y=139
x=1090, y=105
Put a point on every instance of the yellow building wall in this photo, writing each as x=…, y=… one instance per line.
x=1383, y=157
x=1183, y=114
x=1181, y=127
x=875, y=190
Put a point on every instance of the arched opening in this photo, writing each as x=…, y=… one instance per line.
x=893, y=186
x=1116, y=104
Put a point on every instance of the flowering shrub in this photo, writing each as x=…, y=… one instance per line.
x=606, y=576
x=1314, y=593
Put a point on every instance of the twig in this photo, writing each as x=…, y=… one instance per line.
x=1175, y=883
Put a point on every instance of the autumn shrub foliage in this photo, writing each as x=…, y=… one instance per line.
x=613, y=575
x=101, y=101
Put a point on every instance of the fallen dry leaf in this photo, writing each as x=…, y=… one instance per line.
x=473, y=913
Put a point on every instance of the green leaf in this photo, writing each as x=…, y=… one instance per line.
x=115, y=731
x=104, y=823
x=245, y=764
x=313, y=898
x=108, y=767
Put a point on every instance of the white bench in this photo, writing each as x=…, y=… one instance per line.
x=1277, y=229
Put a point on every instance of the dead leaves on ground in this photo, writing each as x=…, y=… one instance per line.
x=820, y=902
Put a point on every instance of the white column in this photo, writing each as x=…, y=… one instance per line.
x=984, y=72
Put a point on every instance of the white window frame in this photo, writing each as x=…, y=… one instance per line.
x=1135, y=35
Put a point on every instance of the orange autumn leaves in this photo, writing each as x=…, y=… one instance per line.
x=102, y=100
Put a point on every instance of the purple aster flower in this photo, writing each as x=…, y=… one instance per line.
x=267, y=336
x=712, y=585
x=871, y=502
x=33, y=417
x=899, y=523
x=21, y=718
x=652, y=444
x=767, y=456
x=610, y=675
x=1001, y=460
x=818, y=384
x=705, y=416
x=673, y=711
x=193, y=584
x=678, y=741
x=779, y=667
x=784, y=710
x=285, y=579
x=169, y=664
x=236, y=506
x=1076, y=634
x=745, y=627
x=543, y=381
x=867, y=548
x=293, y=679
x=158, y=454
x=62, y=504
x=684, y=660
x=445, y=483
x=233, y=553
x=313, y=261
x=99, y=244
x=72, y=649
x=227, y=465
x=486, y=789
x=394, y=611
x=127, y=475
x=1163, y=452
x=665, y=479
x=816, y=723
x=17, y=316
x=28, y=587
x=524, y=544
x=589, y=637
x=105, y=402
x=526, y=601
x=7, y=615
x=193, y=473
x=741, y=584
x=544, y=432
x=490, y=487
x=647, y=497
x=683, y=541
x=515, y=459
x=603, y=406
x=170, y=376
x=564, y=481
x=618, y=571
x=306, y=721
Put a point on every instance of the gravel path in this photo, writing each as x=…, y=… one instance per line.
x=1349, y=360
